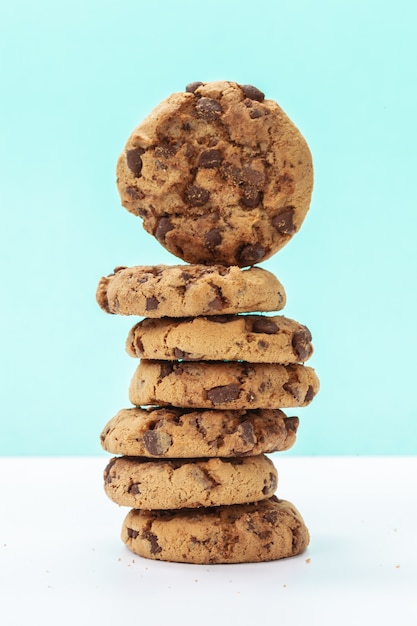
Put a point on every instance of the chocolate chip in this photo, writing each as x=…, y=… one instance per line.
x=293, y=389
x=255, y=114
x=283, y=222
x=216, y=304
x=132, y=533
x=195, y=195
x=156, y=442
x=252, y=176
x=292, y=423
x=107, y=470
x=249, y=255
x=180, y=354
x=271, y=516
x=251, y=197
x=301, y=344
x=246, y=431
x=153, y=540
x=134, y=161
x=191, y=87
x=208, y=109
x=135, y=194
x=264, y=325
x=310, y=394
x=253, y=93
x=151, y=303
x=134, y=489
x=224, y=393
x=213, y=238
x=163, y=227
x=210, y=158
x=166, y=369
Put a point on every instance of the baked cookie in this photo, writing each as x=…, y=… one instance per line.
x=218, y=174
x=215, y=385
x=252, y=338
x=143, y=483
x=189, y=290
x=264, y=531
x=180, y=433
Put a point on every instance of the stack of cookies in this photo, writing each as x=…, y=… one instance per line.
x=223, y=179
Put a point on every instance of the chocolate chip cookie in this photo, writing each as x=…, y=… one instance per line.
x=216, y=385
x=218, y=173
x=264, y=531
x=143, y=483
x=189, y=290
x=180, y=433
x=253, y=338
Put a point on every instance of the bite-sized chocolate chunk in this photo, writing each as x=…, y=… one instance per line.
x=191, y=87
x=310, y=394
x=152, y=303
x=283, y=222
x=208, y=109
x=166, y=369
x=134, y=160
x=132, y=533
x=247, y=432
x=225, y=393
x=153, y=540
x=301, y=344
x=163, y=227
x=264, y=325
x=213, y=238
x=156, y=442
x=251, y=197
x=250, y=254
x=253, y=93
x=210, y=158
x=195, y=195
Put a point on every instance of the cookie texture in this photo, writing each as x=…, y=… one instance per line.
x=263, y=531
x=229, y=385
x=218, y=173
x=142, y=483
x=180, y=433
x=189, y=290
x=253, y=338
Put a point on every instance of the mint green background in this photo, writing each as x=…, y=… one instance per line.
x=77, y=76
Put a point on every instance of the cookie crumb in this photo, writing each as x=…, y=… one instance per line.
x=308, y=560
x=397, y=566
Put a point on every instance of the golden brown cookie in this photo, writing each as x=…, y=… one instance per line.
x=189, y=290
x=180, y=433
x=264, y=531
x=230, y=385
x=218, y=174
x=143, y=483
x=252, y=338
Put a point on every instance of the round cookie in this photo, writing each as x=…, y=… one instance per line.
x=252, y=338
x=143, y=483
x=189, y=290
x=247, y=533
x=218, y=174
x=229, y=385
x=181, y=433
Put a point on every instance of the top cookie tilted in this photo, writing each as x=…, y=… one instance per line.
x=219, y=175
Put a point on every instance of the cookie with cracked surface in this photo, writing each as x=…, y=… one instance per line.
x=247, y=533
x=216, y=385
x=218, y=173
x=252, y=338
x=180, y=433
x=143, y=483
x=189, y=290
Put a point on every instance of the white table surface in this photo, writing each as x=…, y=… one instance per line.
x=62, y=562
